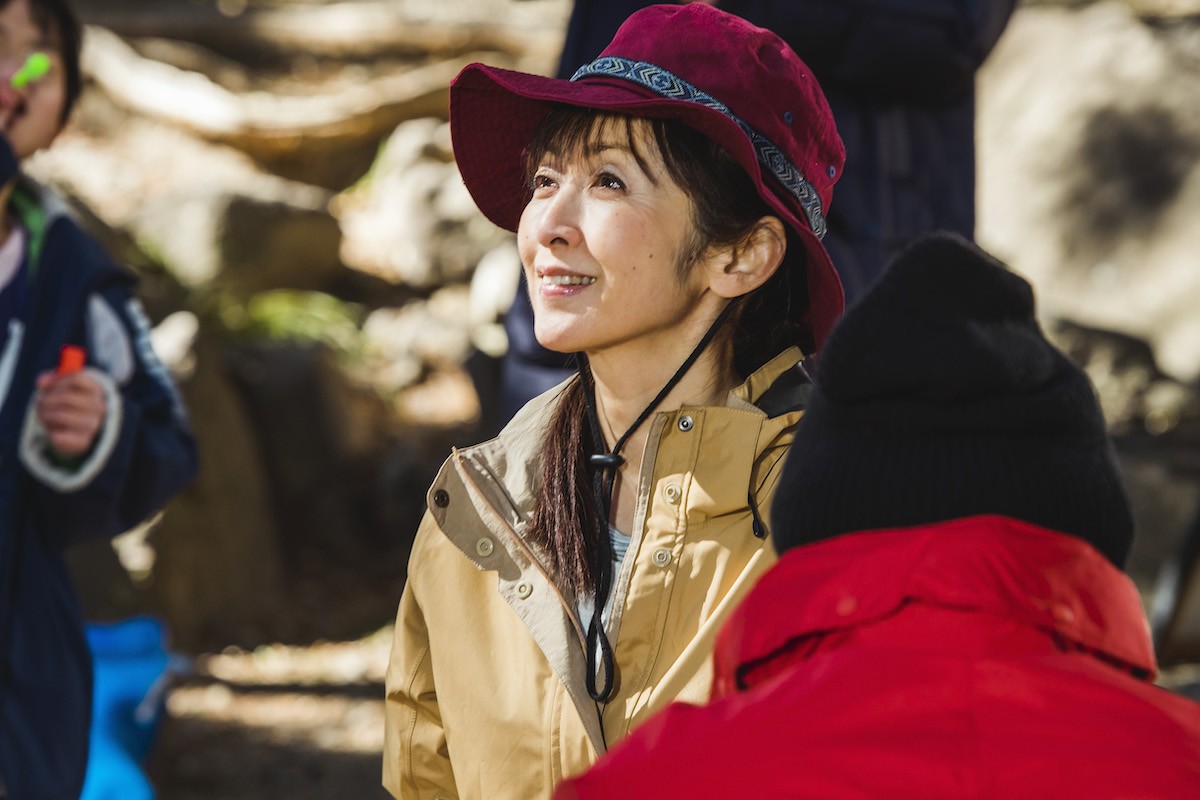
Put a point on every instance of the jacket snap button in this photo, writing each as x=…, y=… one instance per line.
x=1063, y=614
x=524, y=590
x=672, y=493
x=662, y=557
x=485, y=547
x=686, y=423
x=441, y=498
x=847, y=606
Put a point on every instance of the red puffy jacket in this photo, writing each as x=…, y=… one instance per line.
x=979, y=658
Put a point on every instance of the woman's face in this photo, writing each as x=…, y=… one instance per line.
x=601, y=243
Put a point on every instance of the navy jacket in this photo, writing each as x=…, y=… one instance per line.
x=143, y=455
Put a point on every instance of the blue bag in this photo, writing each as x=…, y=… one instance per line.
x=133, y=671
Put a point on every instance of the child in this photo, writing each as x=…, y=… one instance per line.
x=86, y=452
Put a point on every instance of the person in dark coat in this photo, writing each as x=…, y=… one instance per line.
x=87, y=449
x=949, y=617
x=900, y=78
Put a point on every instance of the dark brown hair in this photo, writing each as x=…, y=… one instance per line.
x=57, y=21
x=725, y=208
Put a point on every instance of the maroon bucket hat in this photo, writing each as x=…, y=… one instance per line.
x=738, y=84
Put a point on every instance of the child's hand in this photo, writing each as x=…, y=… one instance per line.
x=72, y=409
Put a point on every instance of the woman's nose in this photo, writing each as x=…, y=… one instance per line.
x=558, y=218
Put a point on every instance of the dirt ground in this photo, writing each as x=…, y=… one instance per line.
x=299, y=722
x=300, y=715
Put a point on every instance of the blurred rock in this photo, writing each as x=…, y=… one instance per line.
x=1155, y=421
x=208, y=214
x=1154, y=9
x=321, y=437
x=218, y=573
x=1164, y=492
x=1089, y=167
x=1165, y=8
x=1137, y=397
x=400, y=343
x=530, y=30
x=235, y=241
x=445, y=399
x=294, y=132
x=411, y=220
x=174, y=341
x=495, y=282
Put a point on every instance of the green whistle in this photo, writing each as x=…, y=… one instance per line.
x=35, y=67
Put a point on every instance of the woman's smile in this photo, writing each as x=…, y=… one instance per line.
x=561, y=283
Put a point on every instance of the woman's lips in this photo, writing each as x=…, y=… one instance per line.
x=568, y=280
x=562, y=284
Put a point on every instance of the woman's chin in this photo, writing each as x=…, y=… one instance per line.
x=555, y=346
x=560, y=341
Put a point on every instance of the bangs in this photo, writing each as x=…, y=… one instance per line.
x=572, y=134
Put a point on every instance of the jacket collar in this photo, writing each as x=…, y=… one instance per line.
x=38, y=208
x=512, y=461
x=777, y=387
x=992, y=564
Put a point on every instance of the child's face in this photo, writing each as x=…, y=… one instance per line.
x=32, y=116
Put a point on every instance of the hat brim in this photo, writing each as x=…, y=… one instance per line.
x=494, y=114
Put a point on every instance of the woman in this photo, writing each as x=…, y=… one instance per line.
x=668, y=203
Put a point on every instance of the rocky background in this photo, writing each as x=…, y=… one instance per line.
x=280, y=174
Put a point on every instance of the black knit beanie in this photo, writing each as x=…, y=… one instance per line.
x=937, y=397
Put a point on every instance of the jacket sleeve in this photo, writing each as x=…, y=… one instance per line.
x=144, y=453
x=902, y=50
x=416, y=760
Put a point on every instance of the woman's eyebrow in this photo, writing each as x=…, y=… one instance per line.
x=596, y=148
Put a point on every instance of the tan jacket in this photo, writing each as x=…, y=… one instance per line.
x=485, y=688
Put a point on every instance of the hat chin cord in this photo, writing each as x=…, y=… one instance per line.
x=604, y=466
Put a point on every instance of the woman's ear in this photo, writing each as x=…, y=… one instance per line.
x=742, y=268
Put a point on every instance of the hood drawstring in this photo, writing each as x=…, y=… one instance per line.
x=757, y=525
x=604, y=466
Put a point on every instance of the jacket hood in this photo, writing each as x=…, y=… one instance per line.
x=989, y=564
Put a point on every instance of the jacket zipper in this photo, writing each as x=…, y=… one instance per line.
x=533, y=559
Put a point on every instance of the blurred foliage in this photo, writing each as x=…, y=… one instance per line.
x=289, y=314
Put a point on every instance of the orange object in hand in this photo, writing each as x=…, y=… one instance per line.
x=71, y=359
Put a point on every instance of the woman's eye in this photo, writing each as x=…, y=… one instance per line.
x=607, y=180
x=542, y=182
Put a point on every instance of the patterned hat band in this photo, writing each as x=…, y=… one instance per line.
x=665, y=84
